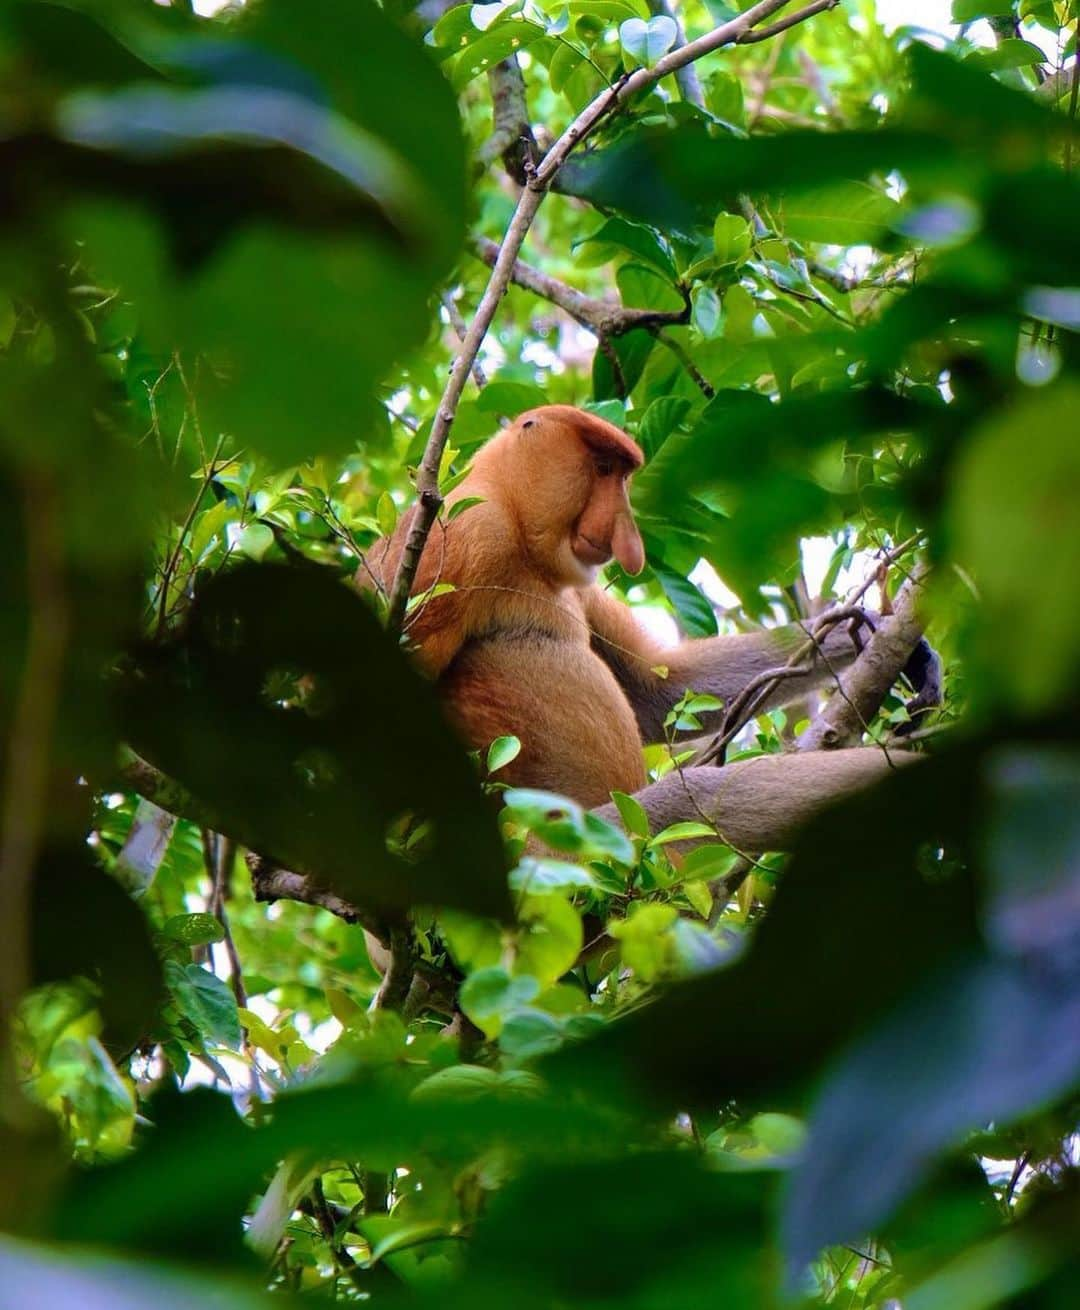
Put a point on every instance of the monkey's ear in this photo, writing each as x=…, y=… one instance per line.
x=604, y=438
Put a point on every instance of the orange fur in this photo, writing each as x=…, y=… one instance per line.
x=527, y=645
x=510, y=646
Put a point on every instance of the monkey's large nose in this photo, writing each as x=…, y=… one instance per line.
x=626, y=544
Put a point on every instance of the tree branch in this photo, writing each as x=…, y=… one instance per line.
x=512, y=135
x=429, y=499
x=602, y=317
x=800, y=16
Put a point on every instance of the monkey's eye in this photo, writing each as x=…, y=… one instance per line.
x=528, y=423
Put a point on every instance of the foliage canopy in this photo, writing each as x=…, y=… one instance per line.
x=829, y=280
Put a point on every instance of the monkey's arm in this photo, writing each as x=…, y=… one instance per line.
x=760, y=804
x=719, y=666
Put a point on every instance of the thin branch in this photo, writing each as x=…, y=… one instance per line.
x=270, y=882
x=800, y=663
x=602, y=317
x=457, y=322
x=800, y=16
x=683, y=356
x=429, y=499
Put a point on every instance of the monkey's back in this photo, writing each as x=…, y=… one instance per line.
x=578, y=733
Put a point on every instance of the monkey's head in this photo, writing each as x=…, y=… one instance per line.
x=567, y=474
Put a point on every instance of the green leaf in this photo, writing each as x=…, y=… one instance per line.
x=732, y=238
x=647, y=41
x=510, y=398
x=632, y=813
x=255, y=540
x=646, y=940
x=612, y=11
x=700, y=897
x=538, y=876
x=781, y=1134
x=491, y=48
x=194, y=929
x=207, y=1001
x=617, y=236
x=682, y=832
x=709, y=862
x=707, y=311
x=489, y=994
x=662, y=417
x=462, y=1082
x=386, y=513
x=550, y=938
x=528, y=1034
x=645, y=288
x=1012, y=493
x=460, y=506
x=1010, y=53
x=847, y=213
x=566, y=826
x=695, y=611
x=474, y=943
x=483, y=15
x=501, y=752
x=967, y=11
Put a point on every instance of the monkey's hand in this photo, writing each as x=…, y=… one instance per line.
x=923, y=673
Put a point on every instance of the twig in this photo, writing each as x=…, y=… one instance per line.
x=429, y=499
x=270, y=882
x=174, y=555
x=696, y=376
x=774, y=29
x=601, y=317
x=742, y=708
x=457, y=322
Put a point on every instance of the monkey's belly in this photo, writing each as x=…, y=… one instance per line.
x=578, y=733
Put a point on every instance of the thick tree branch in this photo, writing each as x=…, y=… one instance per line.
x=599, y=316
x=429, y=499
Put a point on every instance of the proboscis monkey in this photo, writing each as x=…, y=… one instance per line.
x=528, y=645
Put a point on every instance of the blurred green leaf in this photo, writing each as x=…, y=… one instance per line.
x=206, y=1000
x=1013, y=493
x=307, y=788
x=194, y=929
